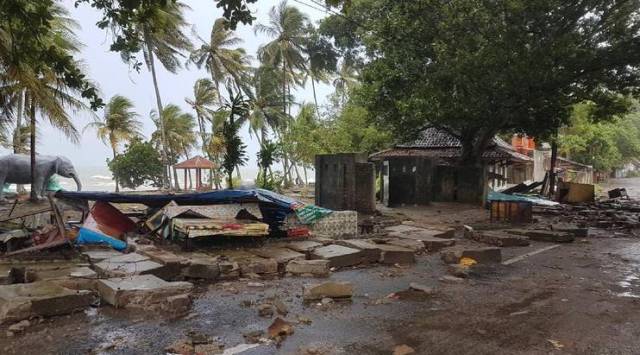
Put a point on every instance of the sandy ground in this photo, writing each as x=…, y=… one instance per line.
x=578, y=298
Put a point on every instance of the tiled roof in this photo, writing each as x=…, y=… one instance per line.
x=433, y=138
x=438, y=144
x=195, y=163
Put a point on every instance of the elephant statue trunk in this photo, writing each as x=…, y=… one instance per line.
x=77, y=180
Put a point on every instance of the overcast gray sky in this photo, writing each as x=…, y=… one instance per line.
x=115, y=77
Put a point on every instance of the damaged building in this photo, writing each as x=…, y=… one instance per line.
x=427, y=170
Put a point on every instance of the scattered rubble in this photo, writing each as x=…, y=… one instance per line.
x=480, y=255
x=279, y=330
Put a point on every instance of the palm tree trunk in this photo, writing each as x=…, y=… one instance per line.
x=113, y=148
x=164, y=155
x=284, y=112
x=306, y=181
x=315, y=98
x=32, y=114
x=17, y=134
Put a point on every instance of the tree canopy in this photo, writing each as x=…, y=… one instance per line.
x=482, y=67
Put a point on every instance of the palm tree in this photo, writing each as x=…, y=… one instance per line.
x=118, y=125
x=161, y=25
x=180, y=135
x=41, y=91
x=346, y=80
x=226, y=63
x=205, y=95
x=323, y=60
x=265, y=106
x=287, y=26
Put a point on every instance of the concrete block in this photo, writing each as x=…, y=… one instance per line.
x=328, y=289
x=318, y=268
x=431, y=243
x=281, y=255
x=40, y=299
x=391, y=254
x=338, y=255
x=202, y=266
x=142, y=291
x=229, y=270
x=370, y=250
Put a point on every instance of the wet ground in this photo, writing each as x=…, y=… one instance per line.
x=581, y=298
x=578, y=298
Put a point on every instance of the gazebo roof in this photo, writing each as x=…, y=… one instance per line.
x=197, y=162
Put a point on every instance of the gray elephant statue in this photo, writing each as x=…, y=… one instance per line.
x=16, y=169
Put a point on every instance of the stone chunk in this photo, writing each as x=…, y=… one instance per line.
x=544, y=235
x=480, y=255
x=143, y=291
x=329, y=289
x=318, y=268
x=338, y=255
x=40, y=299
x=281, y=255
x=229, y=270
x=402, y=230
x=498, y=238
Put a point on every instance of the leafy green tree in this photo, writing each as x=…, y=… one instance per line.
x=140, y=164
x=225, y=64
x=267, y=155
x=235, y=151
x=118, y=125
x=604, y=145
x=476, y=68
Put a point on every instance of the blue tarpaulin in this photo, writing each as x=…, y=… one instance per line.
x=274, y=207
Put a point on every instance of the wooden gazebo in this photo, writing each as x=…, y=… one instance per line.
x=197, y=163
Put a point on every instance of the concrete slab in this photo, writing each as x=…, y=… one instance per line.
x=431, y=243
x=338, y=255
x=497, y=238
x=304, y=246
x=96, y=256
x=250, y=263
x=370, y=250
x=402, y=229
x=128, y=258
x=416, y=246
x=542, y=235
x=40, y=299
x=202, y=266
x=317, y=268
x=329, y=289
x=107, y=268
x=142, y=291
x=391, y=254
x=280, y=255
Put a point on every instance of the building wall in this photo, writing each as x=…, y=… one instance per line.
x=345, y=181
